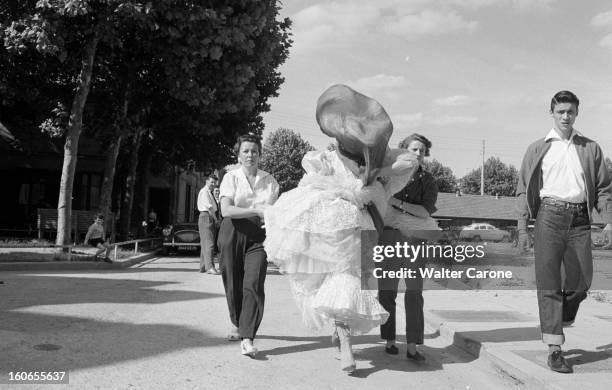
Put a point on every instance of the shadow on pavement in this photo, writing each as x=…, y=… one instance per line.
x=84, y=343
x=39, y=290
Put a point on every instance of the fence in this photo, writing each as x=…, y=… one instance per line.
x=81, y=219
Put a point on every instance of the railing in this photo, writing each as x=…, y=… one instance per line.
x=135, y=243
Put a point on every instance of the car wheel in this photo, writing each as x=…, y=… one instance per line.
x=476, y=238
x=505, y=239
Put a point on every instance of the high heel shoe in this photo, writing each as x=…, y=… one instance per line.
x=347, y=361
x=248, y=349
x=336, y=343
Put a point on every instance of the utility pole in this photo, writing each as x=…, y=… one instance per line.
x=482, y=169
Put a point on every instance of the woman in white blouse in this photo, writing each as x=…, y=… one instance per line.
x=244, y=194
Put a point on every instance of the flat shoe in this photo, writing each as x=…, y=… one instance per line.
x=417, y=357
x=392, y=350
x=248, y=350
x=213, y=271
x=557, y=363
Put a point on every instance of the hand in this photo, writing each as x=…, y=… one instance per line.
x=405, y=161
x=608, y=238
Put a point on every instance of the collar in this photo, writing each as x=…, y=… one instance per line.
x=552, y=134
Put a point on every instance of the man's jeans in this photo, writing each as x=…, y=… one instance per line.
x=206, y=228
x=563, y=266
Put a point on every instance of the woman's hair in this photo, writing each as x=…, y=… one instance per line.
x=416, y=137
x=247, y=138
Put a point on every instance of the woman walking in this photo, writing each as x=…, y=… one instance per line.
x=244, y=193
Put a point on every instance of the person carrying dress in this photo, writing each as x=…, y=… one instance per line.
x=408, y=219
x=318, y=232
x=244, y=194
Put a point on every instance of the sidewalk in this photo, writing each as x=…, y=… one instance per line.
x=503, y=327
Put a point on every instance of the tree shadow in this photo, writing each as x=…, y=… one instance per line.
x=79, y=343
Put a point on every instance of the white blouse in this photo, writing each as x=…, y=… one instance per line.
x=236, y=187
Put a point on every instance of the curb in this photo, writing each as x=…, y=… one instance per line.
x=527, y=374
x=76, y=265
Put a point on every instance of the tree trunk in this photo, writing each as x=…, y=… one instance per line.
x=110, y=165
x=71, y=145
x=130, y=182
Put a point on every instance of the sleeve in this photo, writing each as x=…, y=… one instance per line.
x=430, y=193
x=227, y=189
x=394, y=184
x=317, y=162
x=522, y=210
x=603, y=187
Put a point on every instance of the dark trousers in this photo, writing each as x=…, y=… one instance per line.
x=413, y=297
x=563, y=266
x=243, y=269
x=206, y=228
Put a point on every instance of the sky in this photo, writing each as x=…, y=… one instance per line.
x=459, y=72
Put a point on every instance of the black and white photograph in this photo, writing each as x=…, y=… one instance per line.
x=306, y=194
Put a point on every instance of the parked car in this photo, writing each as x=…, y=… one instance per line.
x=181, y=237
x=598, y=238
x=484, y=231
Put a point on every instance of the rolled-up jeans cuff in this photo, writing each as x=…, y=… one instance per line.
x=554, y=339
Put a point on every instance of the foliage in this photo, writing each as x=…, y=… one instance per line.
x=499, y=179
x=282, y=157
x=445, y=179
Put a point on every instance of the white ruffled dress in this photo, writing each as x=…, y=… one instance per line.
x=313, y=233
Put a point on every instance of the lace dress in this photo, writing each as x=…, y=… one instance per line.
x=313, y=233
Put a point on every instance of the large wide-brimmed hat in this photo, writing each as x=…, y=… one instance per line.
x=359, y=123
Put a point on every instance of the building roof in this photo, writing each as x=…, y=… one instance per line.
x=483, y=207
x=475, y=207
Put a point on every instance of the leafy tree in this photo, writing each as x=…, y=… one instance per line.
x=445, y=179
x=499, y=179
x=65, y=35
x=282, y=157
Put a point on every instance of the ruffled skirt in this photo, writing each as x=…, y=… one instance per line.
x=314, y=237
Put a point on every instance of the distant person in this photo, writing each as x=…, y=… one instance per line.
x=562, y=178
x=96, y=237
x=207, y=220
x=245, y=192
x=408, y=219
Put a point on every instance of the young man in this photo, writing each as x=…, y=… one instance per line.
x=207, y=205
x=97, y=238
x=562, y=178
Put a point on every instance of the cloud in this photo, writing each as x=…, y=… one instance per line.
x=453, y=120
x=602, y=19
x=380, y=81
x=453, y=101
x=429, y=22
x=606, y=41
x=407, y=121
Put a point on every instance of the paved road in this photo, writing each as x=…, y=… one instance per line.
x=161, y=324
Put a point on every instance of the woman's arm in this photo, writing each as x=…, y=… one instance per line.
x=411, y=208
x=230, y=211
x=404, y=164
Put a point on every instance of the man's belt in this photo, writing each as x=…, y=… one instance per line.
x=564, y=204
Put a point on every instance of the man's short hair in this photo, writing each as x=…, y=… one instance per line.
x=563, y=97
x=100, y=216
x=213, y=177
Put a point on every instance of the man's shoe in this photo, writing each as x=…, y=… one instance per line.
x=557, y=363
x=417, y=357
x=392, y=350
x=213, y=271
